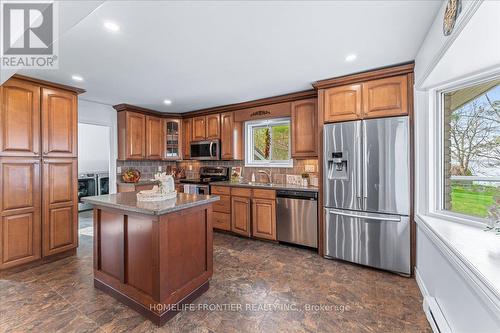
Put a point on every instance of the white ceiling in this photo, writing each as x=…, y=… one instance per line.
x=206, y=53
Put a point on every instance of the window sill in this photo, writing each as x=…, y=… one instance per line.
x=474, y=251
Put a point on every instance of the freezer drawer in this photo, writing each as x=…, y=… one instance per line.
x=376, y=240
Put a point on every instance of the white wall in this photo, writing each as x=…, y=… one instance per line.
x=94, y=146
x=105, y=115
x=473, y=48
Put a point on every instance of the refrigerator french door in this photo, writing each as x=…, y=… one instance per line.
x=367, y=193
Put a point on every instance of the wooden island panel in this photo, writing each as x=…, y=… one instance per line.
x=150, y=262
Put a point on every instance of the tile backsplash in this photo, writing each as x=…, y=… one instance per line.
x=192, y=168
x=147, y=168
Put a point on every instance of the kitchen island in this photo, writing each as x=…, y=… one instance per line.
x=153, y=256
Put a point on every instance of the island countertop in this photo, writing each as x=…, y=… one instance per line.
x=127, y=201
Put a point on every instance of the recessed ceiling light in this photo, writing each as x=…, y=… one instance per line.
x=351, y=57
x=77, y=78
x=167, y=101
x=111, y=26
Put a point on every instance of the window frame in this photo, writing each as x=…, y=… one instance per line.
x=249, y=161
x=436, y=150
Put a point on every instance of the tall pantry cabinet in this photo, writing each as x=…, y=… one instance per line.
x=38, y=171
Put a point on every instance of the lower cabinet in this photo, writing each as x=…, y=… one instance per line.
x=246, y=212
x=20, y=223
x=264, y=218
x=60, y=205
x=240, y=215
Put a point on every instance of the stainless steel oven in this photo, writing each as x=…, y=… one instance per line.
x=205, y=150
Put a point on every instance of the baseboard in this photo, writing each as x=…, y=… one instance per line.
x=431, y=308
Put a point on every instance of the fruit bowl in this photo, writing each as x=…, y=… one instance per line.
x=131, y=176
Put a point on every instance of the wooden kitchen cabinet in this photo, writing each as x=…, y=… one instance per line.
x=226, y=135
x=264, y=218
x=154, y=138
x=385, y=97
x=213, y=126
x=19, y=118
x=59, y=123
x=240, y=215
x=172, y=139
x=131, y=136
x=20, y=221
x=60, y=205
x=304, y=122
x=187, y=137
x=342, y=103
x=199, y=128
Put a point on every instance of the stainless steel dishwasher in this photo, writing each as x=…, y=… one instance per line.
x=297, y=217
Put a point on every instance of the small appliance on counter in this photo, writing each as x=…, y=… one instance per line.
x=207, y=175
x=367, y=193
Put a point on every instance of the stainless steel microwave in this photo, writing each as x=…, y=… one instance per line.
x=205, y=150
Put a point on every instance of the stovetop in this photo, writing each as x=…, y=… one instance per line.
x=209, y=174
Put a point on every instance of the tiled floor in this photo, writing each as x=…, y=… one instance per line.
x=280, y=289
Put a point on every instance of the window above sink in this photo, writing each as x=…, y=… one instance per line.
x=267, y=143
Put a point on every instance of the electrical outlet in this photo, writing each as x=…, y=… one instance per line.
x=118, y=169
x=190, y=167
x=310, y=168
x=160, y=169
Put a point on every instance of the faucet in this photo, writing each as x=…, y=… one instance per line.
x=267, y=173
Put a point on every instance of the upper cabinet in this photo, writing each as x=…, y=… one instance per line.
x=59, y=123
x=213, y=126
x=206, y=127
x=231, y=137
x=199, y=128
x=154, y=134
x=19, y=118
x=131, y=136
x=227, y=121
x=304, y=128
x=187, y=137
x=172, y=139
x=384, y=92
x=343, y=103
x=385, y=97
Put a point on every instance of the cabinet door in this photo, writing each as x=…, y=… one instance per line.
x=213, y=126
x=199, y=129
x=343, y=103
x=20, y=224
x=187, y=137
x=136, y=136
x=173, y=135
x=240, y=215
x=59, y=123
x=304, y=128
x=19, y=119
x=264, y=218
x=226, y=135
x=154, y=138
x=60, y=210
x=385, y=97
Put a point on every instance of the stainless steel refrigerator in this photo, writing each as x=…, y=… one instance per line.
x=367, y=192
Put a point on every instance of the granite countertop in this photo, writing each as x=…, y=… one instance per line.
x=127, y=201
x=139, y=183
x=268, y=187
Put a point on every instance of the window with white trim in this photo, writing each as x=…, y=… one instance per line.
x=471, y=150
x=267, y=143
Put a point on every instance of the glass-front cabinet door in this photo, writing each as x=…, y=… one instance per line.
x=172, y=134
